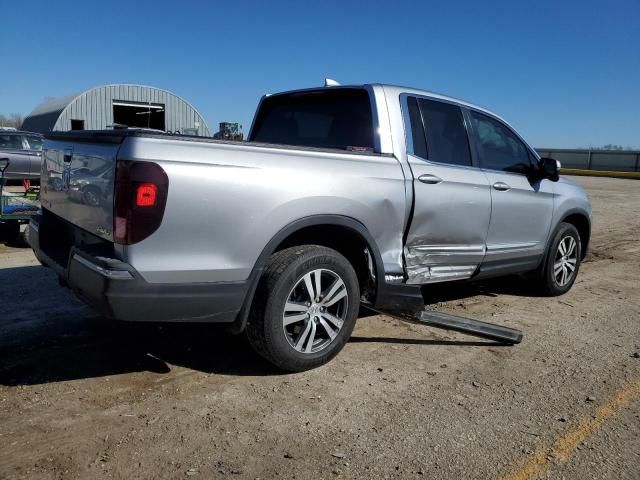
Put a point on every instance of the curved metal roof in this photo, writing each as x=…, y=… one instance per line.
x=94, y=106
x=46, y=114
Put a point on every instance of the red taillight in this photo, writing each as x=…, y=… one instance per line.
x=140, y=198
x=146, y=194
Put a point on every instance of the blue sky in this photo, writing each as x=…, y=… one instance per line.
x=564, y=73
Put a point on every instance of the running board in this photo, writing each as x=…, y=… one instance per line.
x=446, y=321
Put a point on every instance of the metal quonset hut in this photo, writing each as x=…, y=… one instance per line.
x=117, y=106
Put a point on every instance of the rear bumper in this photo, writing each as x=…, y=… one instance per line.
x=116, y=290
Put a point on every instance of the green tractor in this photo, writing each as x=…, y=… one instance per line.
x=229, y=131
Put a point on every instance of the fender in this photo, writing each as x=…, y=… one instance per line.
x=567, y=214
x=335, y=220
x=582, y=213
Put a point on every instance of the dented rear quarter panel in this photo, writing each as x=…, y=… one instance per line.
x=227, y=201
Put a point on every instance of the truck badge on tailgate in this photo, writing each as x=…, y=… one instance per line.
x=103, y=231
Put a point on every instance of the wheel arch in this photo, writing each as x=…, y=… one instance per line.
x=581, y=221
x=344, y=234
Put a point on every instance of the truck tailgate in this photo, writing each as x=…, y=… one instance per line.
x=77, y=180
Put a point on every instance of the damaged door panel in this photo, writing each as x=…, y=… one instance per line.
x=446, y=240
x=452, y=201
x=435, y=263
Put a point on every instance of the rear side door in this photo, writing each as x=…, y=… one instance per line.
x=11, y=147
x=522, y=203
x=452, y=203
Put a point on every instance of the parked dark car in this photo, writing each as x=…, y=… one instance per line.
x=24, y=151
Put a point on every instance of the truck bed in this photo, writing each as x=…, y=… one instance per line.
x=118, y=136
x=237, y=195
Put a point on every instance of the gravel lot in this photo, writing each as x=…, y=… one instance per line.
x=81, y=397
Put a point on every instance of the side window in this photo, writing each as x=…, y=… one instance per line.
x=417, y=130
x=447, y=140
x=11, y=141
x=500, y=148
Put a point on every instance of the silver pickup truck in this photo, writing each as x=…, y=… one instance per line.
x=341, y=195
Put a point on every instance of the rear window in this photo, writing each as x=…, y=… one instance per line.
x=334, y=118
x=447, y=140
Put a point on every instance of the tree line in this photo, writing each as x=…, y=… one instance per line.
x=610, y=146
x=12, y=120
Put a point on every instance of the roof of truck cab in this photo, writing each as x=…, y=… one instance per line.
x=397, y=90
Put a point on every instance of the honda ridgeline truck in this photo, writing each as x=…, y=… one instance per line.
x=341, y=195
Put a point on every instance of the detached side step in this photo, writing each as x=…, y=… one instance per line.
x=469, y=326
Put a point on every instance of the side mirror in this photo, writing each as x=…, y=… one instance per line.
x=550, y=168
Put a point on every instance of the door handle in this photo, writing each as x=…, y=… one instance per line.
x=501, y=186
x=429, y=179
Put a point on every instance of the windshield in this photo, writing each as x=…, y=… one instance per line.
x=331, y=118
x=10, y=141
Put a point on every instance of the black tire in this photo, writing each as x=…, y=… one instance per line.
x=11, y=231
x=25, y=237
x=548, y=280
x=266, y=331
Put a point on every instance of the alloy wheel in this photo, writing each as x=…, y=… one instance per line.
x=565, y=262
x=315, y=311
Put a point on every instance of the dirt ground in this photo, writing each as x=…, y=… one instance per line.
x=81, y=397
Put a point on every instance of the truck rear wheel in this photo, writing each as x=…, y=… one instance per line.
x=305, y=307
x=10, y=231
x=25, y=237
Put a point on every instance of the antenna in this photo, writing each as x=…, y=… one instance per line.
x=330, y=82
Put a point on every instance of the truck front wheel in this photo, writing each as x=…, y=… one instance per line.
x=560, y=268
x=305, y=307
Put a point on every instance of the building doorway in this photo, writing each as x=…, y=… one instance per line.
x=138, y=115
x=77, y=124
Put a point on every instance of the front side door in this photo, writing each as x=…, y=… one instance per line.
x=33, y=145
x=522, y=203
x=452, y=202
